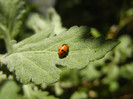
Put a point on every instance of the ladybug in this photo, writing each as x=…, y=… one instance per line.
x=63, y=51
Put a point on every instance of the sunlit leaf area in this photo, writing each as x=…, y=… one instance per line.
x=66, y=49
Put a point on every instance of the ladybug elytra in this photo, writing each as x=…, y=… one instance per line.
x=63, y=51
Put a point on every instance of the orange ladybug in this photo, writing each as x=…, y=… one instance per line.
x=63, y=51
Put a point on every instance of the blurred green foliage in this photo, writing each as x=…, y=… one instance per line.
x=108, y=78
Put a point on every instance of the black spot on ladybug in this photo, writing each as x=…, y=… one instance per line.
x=63, y=51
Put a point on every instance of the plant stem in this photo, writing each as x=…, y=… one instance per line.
x=7, y=42
x=7, y=38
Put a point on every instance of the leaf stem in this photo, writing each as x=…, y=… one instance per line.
x=27, y=90
x=7, y=38
x=7, y=42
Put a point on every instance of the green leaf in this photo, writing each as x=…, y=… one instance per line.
x=34, y=39
x=126, y=71
x=112, y=72
x=38, y=23
x=36, y=61
x=129, y=12
x=113, y=86
x=79, y=95
x=95, y=32
x=68, y=80
x=90, y=72
x=9, y=90
x=54, y=19
x=124, y=50
x=31, y=93
x=11, y=15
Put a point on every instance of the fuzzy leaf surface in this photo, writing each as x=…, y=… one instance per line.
x=11, y=14
x=38, y=23
x=36, y=61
